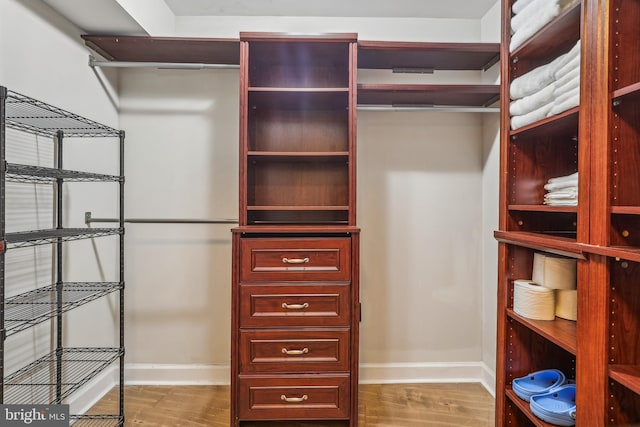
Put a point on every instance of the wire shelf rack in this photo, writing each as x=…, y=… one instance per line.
x=36, y=382
x=30, y=308
x=97, y=421
x=39, y=174
x=31, y=115
x=42, y=237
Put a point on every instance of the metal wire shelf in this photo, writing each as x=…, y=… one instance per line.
x=97, y=421
x=36, y=382
x=39, y=174
x=30, y=308
x=42, y=237
x=28, y=114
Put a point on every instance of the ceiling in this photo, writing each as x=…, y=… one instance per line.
x=157, y=17
x=463, y=9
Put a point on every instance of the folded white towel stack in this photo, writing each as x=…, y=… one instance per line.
x=562, y=191
x=530, y=16
x=546, y=90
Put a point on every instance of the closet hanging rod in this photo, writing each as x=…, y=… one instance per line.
x=457, y=109
x=163, y=65
x=88, y=219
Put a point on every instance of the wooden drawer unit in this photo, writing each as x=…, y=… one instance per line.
x=289, y=259
x=294, y=398
x=292, y=351
x=290, y=305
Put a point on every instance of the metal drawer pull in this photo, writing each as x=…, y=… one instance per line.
x=295, y=352
x=295, y=306
x=294, y=399
x=295, y=260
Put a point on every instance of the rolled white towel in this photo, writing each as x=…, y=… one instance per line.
x=520, y=5
x=571, y=177
x=530, y=103
x=521, y=19
x=555, y=186
x=532, y=117
x=565, y=102
x=562, y=203
x=571, y=64
x=540, y=77
x=567, y=77
x=538, y=20
x=566, y=193
x=531, y=82
x=568, y=86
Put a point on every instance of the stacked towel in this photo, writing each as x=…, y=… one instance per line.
x=562, y=191
x=546, y=90
x=530, y=16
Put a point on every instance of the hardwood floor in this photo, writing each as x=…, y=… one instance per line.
x=389, y=405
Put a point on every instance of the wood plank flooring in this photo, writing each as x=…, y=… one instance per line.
x=389, y=405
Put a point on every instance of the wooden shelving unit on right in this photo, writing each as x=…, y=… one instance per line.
x=600, y=139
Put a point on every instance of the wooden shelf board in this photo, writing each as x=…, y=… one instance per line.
x=165, y=49
x=303, y=229
x=631, y=91
x=627, y=375
x=437, y=56
x=298, y=89
x=565, y=123
x=625, y=210
x=298, y=154
x=525, y=408
x=297, y=208
x=560, y=331
x=565, y=26
x=454, y=95
x=628, y=253
x=297, y=37
x=543, y=208
x=554, y=244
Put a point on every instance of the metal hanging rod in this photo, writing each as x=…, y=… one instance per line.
x=88, y=219
x=163, y=65
x=460, y=109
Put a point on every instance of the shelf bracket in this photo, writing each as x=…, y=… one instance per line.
x=493, y=61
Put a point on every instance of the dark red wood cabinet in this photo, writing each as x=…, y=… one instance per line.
x=600, y=139
x=295, y=291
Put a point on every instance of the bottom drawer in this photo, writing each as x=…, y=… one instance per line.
x=294, y=397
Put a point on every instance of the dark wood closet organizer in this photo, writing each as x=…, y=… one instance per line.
x=295, y=291
x=601, y=140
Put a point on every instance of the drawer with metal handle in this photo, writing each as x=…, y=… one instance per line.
x=295, y=259
x=316, y=350
x=287, y=305
x=294, y=397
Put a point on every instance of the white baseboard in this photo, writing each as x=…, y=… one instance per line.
x=81, y=401
x=370, y=373
x=488, y=379
x=161, y=374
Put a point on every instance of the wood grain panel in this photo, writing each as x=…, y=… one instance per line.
x=263, y=259
x=325, y=397
x=294, y=305
x=294, y=351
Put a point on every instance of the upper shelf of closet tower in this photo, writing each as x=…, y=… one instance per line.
x=415, y=57
x=166, y=49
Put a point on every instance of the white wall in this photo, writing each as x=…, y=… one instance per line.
x=43, y=57
x=182, y=156
x=490, y=183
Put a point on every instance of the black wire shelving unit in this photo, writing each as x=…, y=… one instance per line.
x=53, y=378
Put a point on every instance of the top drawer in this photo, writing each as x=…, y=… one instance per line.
x=274, y=259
